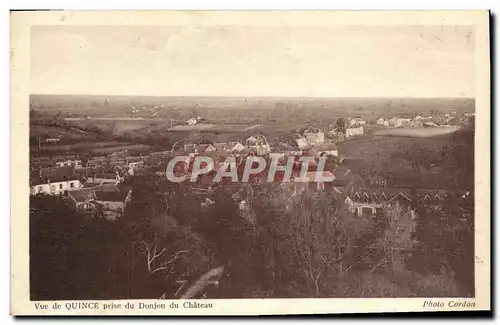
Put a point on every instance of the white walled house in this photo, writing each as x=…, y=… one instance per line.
x=258, y=144
x=54, y=181
x=70, y=163
x=357, y=121
x=236, y=147
x=192, y=121
x=55, y=187
x=314, y=136
x=302, y=143
x=354, y=131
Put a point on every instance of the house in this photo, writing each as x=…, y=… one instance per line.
x=119, y=155
x=103, y=178
x=230, y=147
x=258, y=144
x=354, y=131
x=400, y=121
x=113, y=203
x=54, y=181
x=81, y=199
x=302, y=143
x=207, y=147
x=135, y=162
x=357, y=121
x=84, y=172
x=371, y=201
x=95, y=161
x=235, y=146
x=135, y=165
x=376, y=181
x=71, y=163
x=192, y=121
x=52, y=140
x=314, y=136
x=381, y=121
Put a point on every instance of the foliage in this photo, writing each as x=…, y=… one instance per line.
x=299, y=243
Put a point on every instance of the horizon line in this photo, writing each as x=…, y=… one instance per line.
x=275, y=96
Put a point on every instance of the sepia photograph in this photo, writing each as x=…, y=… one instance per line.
x=211, y=157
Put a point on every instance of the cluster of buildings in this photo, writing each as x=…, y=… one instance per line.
x=447, y=119
x=96, y=185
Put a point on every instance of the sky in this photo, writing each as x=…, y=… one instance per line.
x=330, y=61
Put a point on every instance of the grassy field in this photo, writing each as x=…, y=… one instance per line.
x=417, y=132
x=390, y=158
x=187, y=128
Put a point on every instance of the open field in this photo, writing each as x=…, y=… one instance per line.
x=418, y=132
x=129, y=147
x=67, y=134
x=84, y=145
x=394, y=158
x=187, y=128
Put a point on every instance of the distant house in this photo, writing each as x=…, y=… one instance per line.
x=109, y=199
x=377, y=181
x=302, y=143
x=97, y=161
x=52, y=140
x=258, y=144
x=251, y=140
x=135, y=162
x=81, y=199
x=70, y=163
x=380, y=121
x=400, y=121
x=358, y=120
x=354, y=131
x=371, y=201
x=83, y=172
x=314, y=136
x=192, y=121
x=113, y=203
x=105, y=178
x=207, y=148
x=54, y=181
x=235, y=146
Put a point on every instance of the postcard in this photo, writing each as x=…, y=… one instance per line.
x=249, y=162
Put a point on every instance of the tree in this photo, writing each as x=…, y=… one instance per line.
x=340, y=125
x=445, y=235
x=397, y=241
